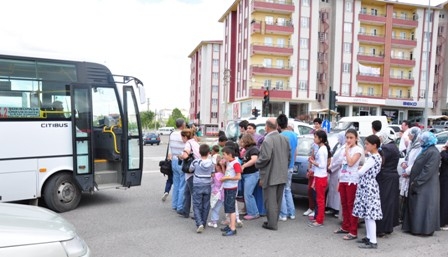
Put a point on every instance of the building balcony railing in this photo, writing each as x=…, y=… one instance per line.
x=274, y=71
x=404, y=61
x=369, y=78
x=274, y=94
x=401, y=97
x=273, y=6
x=271, y=49
x=275, y=28
x=401, y=22
x=403, y=42
x=372, y=18
x=366, y=94
x=364, y=57
x=401, y=80
x=371, y=38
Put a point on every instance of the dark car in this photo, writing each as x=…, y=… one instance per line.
x=151, y=138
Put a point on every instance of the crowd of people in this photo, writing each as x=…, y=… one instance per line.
x=356, y=185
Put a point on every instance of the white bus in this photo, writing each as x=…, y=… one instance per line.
x=66, y=127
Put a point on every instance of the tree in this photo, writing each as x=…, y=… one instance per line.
x=176, y=114
x=147, y=118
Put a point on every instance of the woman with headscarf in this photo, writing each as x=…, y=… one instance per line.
x=333, y=197
x=443, y=177
x=406, y=166
x=389, y=187
x=422, y=212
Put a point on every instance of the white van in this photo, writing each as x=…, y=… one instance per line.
x=164, y=130
x=363, y=124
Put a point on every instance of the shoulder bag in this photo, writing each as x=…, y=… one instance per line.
x=165, y=165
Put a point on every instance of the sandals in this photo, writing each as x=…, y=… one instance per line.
x=349, y=237
x=340, y=231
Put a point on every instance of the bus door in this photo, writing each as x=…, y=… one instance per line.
x=133, y=161
x=82, y=130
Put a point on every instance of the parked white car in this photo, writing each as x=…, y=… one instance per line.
x=34, y=231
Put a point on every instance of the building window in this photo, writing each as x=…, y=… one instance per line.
x=345, y=89
x=303, y=64
x=214, y=89
x=214, y=115
x=402, y=35
x=215, y=75
x=305, y=2
x=304, y=43
x=304, y=22
x=280, y=63
x=215, y=48
x=346, y=67
x=269, y=20
x=303, y=85
x=279, y=84
x=374, y=11
x=215, y=62
x=370, y=91
x=347, y=27
x=267, y=83
x=268, y=41
x=281, y=42
x=267, y=62
x=348, y=7
x=214, y=101
x=347, y=47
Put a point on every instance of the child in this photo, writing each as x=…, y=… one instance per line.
x=217, y=189
x=230, y=185
x=203, y=169
x=215, y=154
x=367, y=202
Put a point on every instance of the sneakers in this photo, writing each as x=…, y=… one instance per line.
x=308, y=212
x=292, y=217
x=282, y=218
x=368, y=246
x=165, y=195
x=239, y=224
x=200, y=229
x=212, y=224
x=229, y=233
x=225, y=229
x=250, y=217
x=311, y=214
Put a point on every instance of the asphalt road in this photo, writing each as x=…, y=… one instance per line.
x=135, y=222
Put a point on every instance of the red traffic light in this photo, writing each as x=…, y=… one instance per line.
x=266, y=93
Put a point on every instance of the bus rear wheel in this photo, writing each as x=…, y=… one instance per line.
x=61, y=193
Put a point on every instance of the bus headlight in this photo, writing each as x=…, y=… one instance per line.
x=75, y=247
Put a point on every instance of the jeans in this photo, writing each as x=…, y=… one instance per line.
x=187, y=196
x=214, y=216
x=177, y=200
x=168, y=184
x=250, y=182
x=201, y=203
x=258, y=193
x=288, y=209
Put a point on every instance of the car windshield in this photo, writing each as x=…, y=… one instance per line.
x=304, y=146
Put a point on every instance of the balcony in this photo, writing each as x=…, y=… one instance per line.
x=401, y=97
x=401, y=81
x=403, y=42
x=373, y=19
x=274, y=28
x=273, y=6
x=369, y=78
x=361, y=94
x=271, y=49
x=274, y=71
x=406, y=23
x=370, y=58
x=274, y=94
x=403, y=61
x=371, y=38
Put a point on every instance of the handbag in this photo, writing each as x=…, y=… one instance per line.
x=186, y=163
x=165, y=165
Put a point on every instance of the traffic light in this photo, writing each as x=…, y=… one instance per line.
x=266, y=97
x=255, y=112
x=333, y=100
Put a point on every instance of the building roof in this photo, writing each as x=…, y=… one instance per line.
x=204, y=42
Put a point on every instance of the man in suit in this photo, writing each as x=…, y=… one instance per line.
x=273, y=161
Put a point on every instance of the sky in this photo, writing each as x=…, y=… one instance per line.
x=148, y=39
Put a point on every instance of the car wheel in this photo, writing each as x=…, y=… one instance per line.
x=61, y=193
x=151, y=144
x=158, y=143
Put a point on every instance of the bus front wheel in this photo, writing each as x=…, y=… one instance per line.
x=61, y=193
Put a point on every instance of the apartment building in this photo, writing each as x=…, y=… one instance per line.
x=205, y=82
x=379, y=56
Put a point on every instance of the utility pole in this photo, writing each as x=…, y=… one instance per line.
x=425, y=111
x=147, y=102
x=226, y=88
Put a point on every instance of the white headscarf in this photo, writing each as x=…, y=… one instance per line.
x=384, y=137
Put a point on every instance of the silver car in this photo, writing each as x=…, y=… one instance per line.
x=34, y=231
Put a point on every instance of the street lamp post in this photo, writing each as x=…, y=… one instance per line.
x=226, y=85
x=425, y=111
